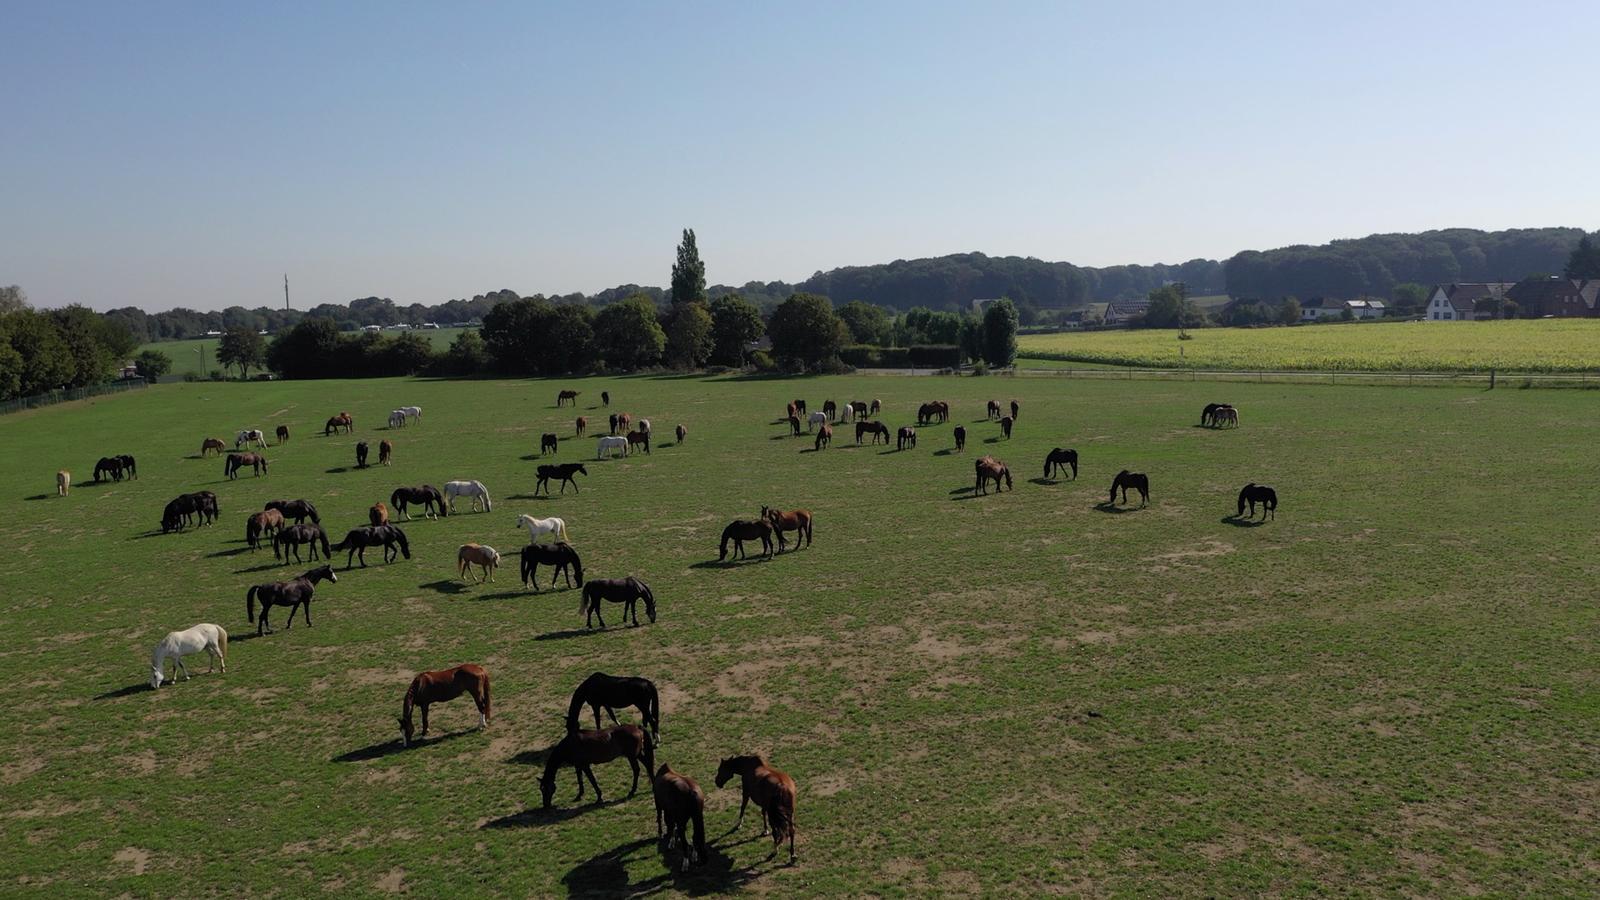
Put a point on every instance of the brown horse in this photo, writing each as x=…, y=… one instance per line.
x=830, y=409
x=741, y=530
x=261, y=524
x=212, y=444
x=791, y=411
x=385, y=452
x=639, y=439
x=624, y=422
x=773, y=791
x=582, y=425
x=485, y=558
x=681, y=433
x=584, y=749
x=298, y=510
x=441, y=687
x=1014, y=409
x=549, y=443
x=1005, y=426
x=563, y=472
x=680, y=801
x=990, y=469
x=378, y=514
x=1124, y=480
x=993, y=412
x=800, y=407
x=566, y=398
x=427, y=496
x=283, y=434
x=961, y=438
x=237, y=461
x=876, y=429
x=295, y=593
x=906, y=437
x=796, y=520
x=824, y=436
x=342, y=420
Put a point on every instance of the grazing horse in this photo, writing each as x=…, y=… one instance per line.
x=378, y=514
x=614, y=692
x=611, y=443
x=644, y=425
x=1125, y=480
x=993, y=411
x=876, y=429
x=741, y=530
x=185, y=507
x=359, y=539
x=485, y=558
x=549, y=443
x=427, y=496
x=342, y=420
x=613, y=423
x=298, y=510
x=1061, y=459
x=266, y=522
x=990, y=469
x=1209, y=412
x=412, y=412
x=680, y=801
x=794, y=426
x=385, y=452
x=283, y=434
x=906, y=437
x=567, y=398
x=830, y=409
x=582, y=426
x=250, y=436
x=876, y=405
x=791, y=411
x=63, y=482
x=178, y=644
x=858, y=409
x=397, y=419
x=795, y=520
x=441, y=687
x=131, y=469
x=1253, y=493
x=1005, y=426
x=773, y=791
x=627, y=591
x=605, y=398
x=109, y=468
x=800, y=407
x=237, y=461
x=561, y=555
x=361, y=455
x=624, y=422
x=291, y=593
x=927, y=413
x=564, y=472
x=584, y=749
x=961, y=438
x=1014, y=409
x=210, y=445
x=815, y=419
x=680, y=433
x=293, y=536
x=473, y=489
x=824, y=436
x=553, y=525
x=639, y=439
x=1226, y=416
x=944, y=410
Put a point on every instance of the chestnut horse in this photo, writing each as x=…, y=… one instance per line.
x=267, y=522
x=680, y=801
x=212, y=444
x=990, y=469
x=441, y=687
x=796, y=520
x=485, y=558
x=342, y=420
x=237, y=461
x=378, y=514
x=385, y=452
x=773, y=791
x=584, y=749
x=824, y=436
x=582, y=425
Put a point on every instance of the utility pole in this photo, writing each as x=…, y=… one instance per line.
x=286, y=291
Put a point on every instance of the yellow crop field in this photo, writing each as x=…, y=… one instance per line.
x=1509, y=346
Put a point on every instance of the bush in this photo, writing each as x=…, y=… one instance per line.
x=935, y=356
x=761, y=361
x=980, y=368
x=866, y=356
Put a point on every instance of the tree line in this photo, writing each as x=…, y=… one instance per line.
x=47, y=350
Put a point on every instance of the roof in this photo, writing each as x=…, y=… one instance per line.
x=1529, y=293
x=1464, y=296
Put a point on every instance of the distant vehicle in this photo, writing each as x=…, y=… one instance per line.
x=434, y=325
x=213, y=334
x=264, y=376
x=371, y=328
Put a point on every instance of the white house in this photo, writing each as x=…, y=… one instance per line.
x=1327, y=307
x=1457, y=302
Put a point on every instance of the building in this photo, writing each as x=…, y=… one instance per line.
x=1120, y=312
x=1327, y=307
x=1458, y=302
x=978, y=306
x=1560, y=298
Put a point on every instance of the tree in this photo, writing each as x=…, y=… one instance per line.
x=308, y=350
x=688, y=273
x=84, y=332
x=152, y=364
x=10, y=370
x=242, y=347
x=1409, y=296
x=46, y=362
x=735, y=323
x=627, y=335
x=467, y=354
x=567, y=344
x=970, y=337
x=1584, y=262
x=1169, y=308
x=689, y=341
x=805, y=331
x=407, y=354
x=1289, y=311
x=513, y=335
x=1000, y=334
x=12, y=298
x=868, y=324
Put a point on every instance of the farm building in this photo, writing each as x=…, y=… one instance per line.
x=1560, y=298
x=1327, y=307
x=1121, y=311
x=1458, y=302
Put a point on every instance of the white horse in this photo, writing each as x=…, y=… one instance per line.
x=397, y=419
x=473, y=489
x=847, y=412
x=611, y=442
x=250, y=436
x=815, y=419
x=411, y=412
x=210, y=638
x=644, y=425
x=536, y=527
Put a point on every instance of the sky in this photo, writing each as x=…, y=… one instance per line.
x=190, y=154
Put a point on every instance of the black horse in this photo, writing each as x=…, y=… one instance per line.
x=285, y=593
x=614, y=692
x=387, y=536
x=1208, y=416
x=293, y=536
x=298, y=510
x=109, y=468
x=561, y=555
x=627, y=591
x=741, y=530
x=1061, y=459
x=961, y=438
x=185, y=508
x=549, y=443
x=1252, y=494
x=564, y=472
x=427, y=496
x=361, y=455
x=1125, y=480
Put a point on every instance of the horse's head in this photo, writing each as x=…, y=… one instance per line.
x=326, y=573
x=155, y=677
x=522, y=521
x=581, y=470
x=407, y=730
x=547, y=781
x=725, y=771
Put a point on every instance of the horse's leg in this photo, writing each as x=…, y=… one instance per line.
x=424, y=708
x=180, y=665
x=634, y=762
x=744, y=800
x=483, y=719
x=305, y=615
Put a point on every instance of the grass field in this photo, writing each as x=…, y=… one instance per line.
x=186, y=355
x=1509, y=346
x=1391, y=689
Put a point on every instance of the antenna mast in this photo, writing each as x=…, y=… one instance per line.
x=286, y=290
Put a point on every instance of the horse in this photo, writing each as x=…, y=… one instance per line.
x=397, y=419
x=441, y=687
x=858, y=410
x=614, y=692
x=796, y=520
x=553, y=525
x=1014, y=409
x=559, y=555
x=185, y=507
x=876, y=429
x=583, y=749
x=605, y=398
x=290, y=593
x=178, y=644
x=741, y=530
x=265, y=522
x=212, y=445
x=250, y=436
x=790, y=411
x=129, y=466
x=1210, y=410
x=1253, y=493
x=815, y=419
x=342, y=420
x=1226, y=416
x=549, y=443
x=680, y=801
x=906, y=437
x=990, y=469
x=644, y=425
x=485, y=558
x=473, y=489
x=361, y=455
x=613, y=423
x=639, y=439
x=876, y=405
x=63, y=482
x=824, y=436
x=295, y=535
x=357, y=540
x=378, y=514
x=1005, y=426
x=1061, y=459
x=298, y=510
x=830, y=409
x=927, y=413
x=611, y=443
x=582, y=426
x=944, y=410
x=961, y=438
x=564, y=472
x=993, y=411
x=624, y=422
x=283, y=434
x=385, y=452
x=794, y=426
x=427, y=496
x=773, y=791
x=627, y=591
x=800, y=406
x=1125, y=480
x=680, y=433
x=109, y=468
x=566, y=397
x=412, y=412
x=237, y=461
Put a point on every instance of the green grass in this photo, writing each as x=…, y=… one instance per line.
x=187, y=359
x=1391, y=689
x=1515, y=346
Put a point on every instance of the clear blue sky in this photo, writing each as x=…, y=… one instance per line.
x=162, y=154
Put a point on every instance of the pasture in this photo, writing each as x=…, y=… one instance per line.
x=1534, y=345
x=187, y=359
x=1391, y=688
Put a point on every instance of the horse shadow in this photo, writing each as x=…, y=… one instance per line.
x=1113, y=508
x=893, y=452
x=993, y=440
x=503, y=595
x=234, y=552
x=529, y=497
x=1242, y=522
x=446, y=586
x=338, y=470
x=531, y=457
x=1044, y=481
x=535, y=816
x=128, y=691
x=395, y=745
x=39, y=497
x=534, y=757
x=606, y=874
x=731, y=563
x=264, y=567
x=948, y=451
x=569, y=633
x=245, y=636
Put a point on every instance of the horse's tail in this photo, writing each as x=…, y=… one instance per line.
x=488, y=506
x=575, y=709
x=527, y=564
x=250, y=603
x=583, y=599
x=324, y=535
x=1272, y=500
x=781, y=816
x=561, y=528
x=698, y=817
x=222, y=643
x=653, y=714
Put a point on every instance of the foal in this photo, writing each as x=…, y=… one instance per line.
x=443, y=686
x=584, y=749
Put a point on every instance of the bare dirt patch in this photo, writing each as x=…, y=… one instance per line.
x=138, y=859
